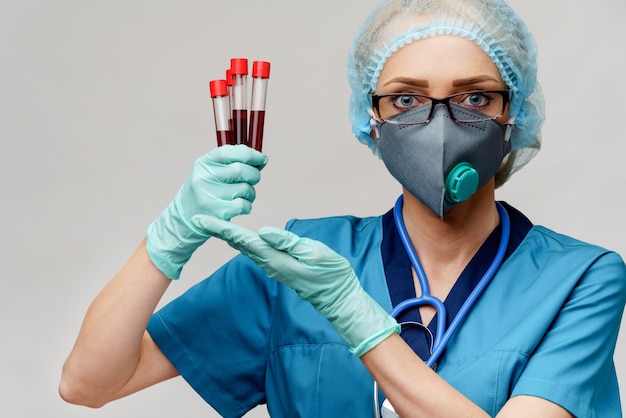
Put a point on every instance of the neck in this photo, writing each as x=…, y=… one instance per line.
x=449, y=244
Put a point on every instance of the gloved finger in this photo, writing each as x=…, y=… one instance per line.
x=309, y=251
x=227, y=209
x=236, y=236
x=232, y=192
x=227, y=154
x=235, y=207
x=302, y=248
x=229, y=172
x=280, y=239
x=277, y=264
x=222, y=229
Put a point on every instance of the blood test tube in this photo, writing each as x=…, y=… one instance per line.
x=260, y=76
x=239, y=71
x=221, y=111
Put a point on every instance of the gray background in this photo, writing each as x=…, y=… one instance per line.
x=104, y=106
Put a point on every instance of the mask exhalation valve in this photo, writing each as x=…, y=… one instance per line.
x=461, y=183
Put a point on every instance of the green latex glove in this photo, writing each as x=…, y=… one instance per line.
x=220, y=185
x=317, y=274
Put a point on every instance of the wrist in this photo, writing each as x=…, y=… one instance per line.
x=360, y=321
x=161, y=258
x=170, y=244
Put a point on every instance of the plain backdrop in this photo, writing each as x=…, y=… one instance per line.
x=104, y=106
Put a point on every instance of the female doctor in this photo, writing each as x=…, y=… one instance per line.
x=518, y=320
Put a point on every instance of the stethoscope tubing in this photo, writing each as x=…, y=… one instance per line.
x=443, y=336
x=425, y=299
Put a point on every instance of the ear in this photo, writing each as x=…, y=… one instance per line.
x=374, y=133
x=510, y=127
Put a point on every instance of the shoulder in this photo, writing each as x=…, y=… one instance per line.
x=552, y=257
x=547, y=239
x=555, y=252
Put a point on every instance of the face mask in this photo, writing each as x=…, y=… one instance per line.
x=443, y=162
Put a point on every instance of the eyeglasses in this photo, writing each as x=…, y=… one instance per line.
x=412, y=109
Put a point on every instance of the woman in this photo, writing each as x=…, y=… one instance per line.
x=445, y=93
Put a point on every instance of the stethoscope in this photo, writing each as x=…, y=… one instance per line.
x=442, y=336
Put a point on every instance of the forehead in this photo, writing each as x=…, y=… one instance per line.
x=440, y=59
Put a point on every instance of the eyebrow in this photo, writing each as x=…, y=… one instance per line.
x=474, y=80
x=409, y=81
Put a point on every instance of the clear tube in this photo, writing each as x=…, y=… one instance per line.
x=239, y=71
x=229, y=83
x=221, y=111
x=260, y=77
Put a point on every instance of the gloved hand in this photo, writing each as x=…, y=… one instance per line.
x=220, y=185
x=317, y=274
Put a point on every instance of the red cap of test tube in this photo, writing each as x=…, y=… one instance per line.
x=239, y=66
x=218, y=88
x=229, y=77
x=261, y=69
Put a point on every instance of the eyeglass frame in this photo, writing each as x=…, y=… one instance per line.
x=375, y=99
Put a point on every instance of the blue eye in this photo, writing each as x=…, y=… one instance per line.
x=405, y=101
x=409, y=101
x=475, y=100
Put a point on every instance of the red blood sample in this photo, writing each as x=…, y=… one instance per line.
x=260, y=76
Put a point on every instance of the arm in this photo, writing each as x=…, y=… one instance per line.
x=114, y=355
x=327, y=281
x=396, y=369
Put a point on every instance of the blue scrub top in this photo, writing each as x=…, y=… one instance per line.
x=546, y=326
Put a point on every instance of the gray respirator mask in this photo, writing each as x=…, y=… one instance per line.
x=443, y=162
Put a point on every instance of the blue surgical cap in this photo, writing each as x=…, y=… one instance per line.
x=491, y=24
